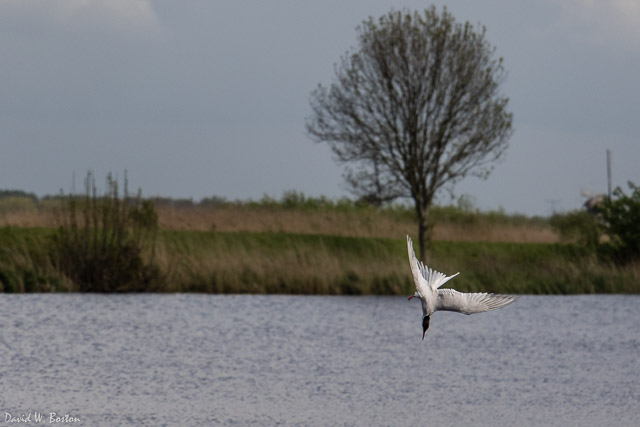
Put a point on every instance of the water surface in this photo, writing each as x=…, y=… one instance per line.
x=300, y=360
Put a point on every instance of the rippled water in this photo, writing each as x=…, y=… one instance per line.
x=263, y=360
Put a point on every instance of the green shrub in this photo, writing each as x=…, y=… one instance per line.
x=107, y=244
x=621, y=218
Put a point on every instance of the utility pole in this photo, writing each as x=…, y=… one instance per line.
x=552, y=203
x=609, y=173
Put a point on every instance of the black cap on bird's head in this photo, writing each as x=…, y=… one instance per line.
x=425, y=325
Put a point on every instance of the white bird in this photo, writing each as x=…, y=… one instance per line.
x=428, y=281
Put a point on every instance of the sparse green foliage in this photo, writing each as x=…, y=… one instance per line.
x=621, y=218
x=101, y=242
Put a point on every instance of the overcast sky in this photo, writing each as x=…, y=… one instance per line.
x=202, y=98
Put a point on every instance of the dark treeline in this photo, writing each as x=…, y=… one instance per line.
x=462, y=211
x=18, y=193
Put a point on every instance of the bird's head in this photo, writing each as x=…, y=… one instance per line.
x=425, y=325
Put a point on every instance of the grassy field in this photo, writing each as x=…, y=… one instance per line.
x=276, y=262
x=317, y=246
x=297, y=263
x=299, y=215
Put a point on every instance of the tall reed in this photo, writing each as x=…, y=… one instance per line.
x=25, y=262
x=241, y=262
x=107, y=243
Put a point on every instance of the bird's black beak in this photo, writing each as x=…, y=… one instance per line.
x=425, y=325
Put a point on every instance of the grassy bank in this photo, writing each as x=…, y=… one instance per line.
x=302, y=263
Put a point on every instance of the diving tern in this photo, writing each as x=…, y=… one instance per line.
x=428, y=281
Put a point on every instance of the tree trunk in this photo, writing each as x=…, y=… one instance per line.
x=424, y=235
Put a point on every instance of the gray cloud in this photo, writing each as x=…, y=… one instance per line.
x=200, y=98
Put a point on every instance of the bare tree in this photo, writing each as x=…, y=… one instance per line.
x=415, y=107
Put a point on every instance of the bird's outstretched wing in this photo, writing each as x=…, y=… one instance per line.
x=416, y=269
x=470, y=303
x=423, y=276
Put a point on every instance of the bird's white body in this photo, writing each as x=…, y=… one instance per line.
x=428, y=282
